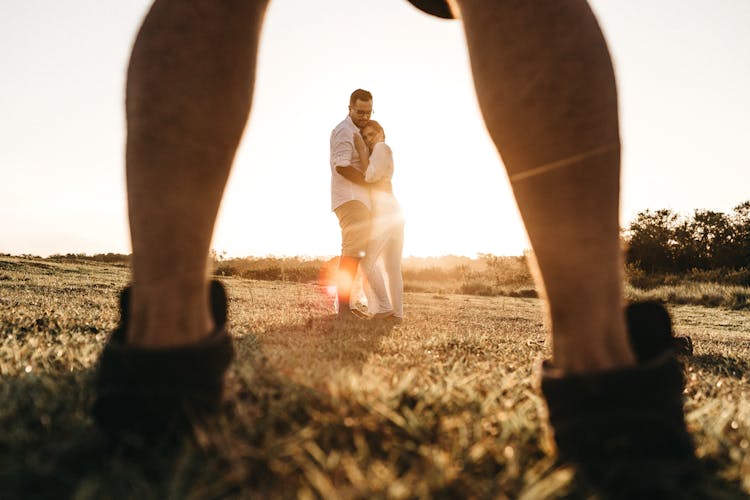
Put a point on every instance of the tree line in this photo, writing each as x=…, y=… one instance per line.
x=667, y=242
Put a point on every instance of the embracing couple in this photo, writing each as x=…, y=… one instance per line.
x=372, y=224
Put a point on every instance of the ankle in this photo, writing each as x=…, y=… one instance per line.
x=590, y=344
x=169, y=314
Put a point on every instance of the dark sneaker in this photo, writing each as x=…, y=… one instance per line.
x=683, y=345
x=625, y=429
x=155, y=390
x=650, y=331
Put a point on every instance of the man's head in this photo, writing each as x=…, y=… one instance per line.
x=360, y=107
x=373, y=133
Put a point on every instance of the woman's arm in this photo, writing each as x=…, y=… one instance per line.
x=364, y=154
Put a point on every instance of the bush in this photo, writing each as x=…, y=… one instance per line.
x=435, y=274
x=487, y=275
x=664, y=241
x=108, y=258
x=295, y=269
x=639, y=278
x=476, y=287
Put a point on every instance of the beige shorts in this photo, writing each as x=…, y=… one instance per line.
x=355, y=222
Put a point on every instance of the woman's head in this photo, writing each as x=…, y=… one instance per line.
x=373, y=133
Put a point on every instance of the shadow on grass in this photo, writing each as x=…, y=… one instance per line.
x=275, y=437
x=721, y=365
x=51, y=448
x=714, y=486
x=47, y=439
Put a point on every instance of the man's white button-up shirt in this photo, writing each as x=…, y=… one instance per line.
x=343, y=153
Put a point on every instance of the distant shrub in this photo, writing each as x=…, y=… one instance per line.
x=740, y=300
x=476, y=287
x=272, y=273
x=487, y=275
x=506, y=271
x=434, y=273
x=112, y=258
x=295, y=269
x=726, y=276
x=430, y=287
x=108, y=258
x=639, y=278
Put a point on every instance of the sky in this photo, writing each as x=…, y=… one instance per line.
x=682, y=66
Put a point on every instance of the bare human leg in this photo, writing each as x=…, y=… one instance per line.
x=189, y=92
x=546, y=88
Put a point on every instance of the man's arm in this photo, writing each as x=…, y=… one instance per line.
x=358, y=177
x=342, y=151
x=352, y=174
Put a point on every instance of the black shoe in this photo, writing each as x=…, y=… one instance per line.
x=625, y=429
x=156, y=390
x=650, y=331
x=683, y=345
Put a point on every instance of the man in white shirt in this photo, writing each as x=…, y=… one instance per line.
x=350, y=197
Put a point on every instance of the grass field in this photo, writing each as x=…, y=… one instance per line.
x=443, y=405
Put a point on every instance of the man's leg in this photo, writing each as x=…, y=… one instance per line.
x=189, y=91
x=546, y=88
x=345, y=276
x=355, y=222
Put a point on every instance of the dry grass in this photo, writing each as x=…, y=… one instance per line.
x=443, y=405
x=704, y=294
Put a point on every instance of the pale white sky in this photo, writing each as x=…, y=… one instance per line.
x=683, y=69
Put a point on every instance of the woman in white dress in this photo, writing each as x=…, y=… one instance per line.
x=387, y=233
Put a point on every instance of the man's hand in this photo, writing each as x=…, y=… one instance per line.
x=352, y=174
